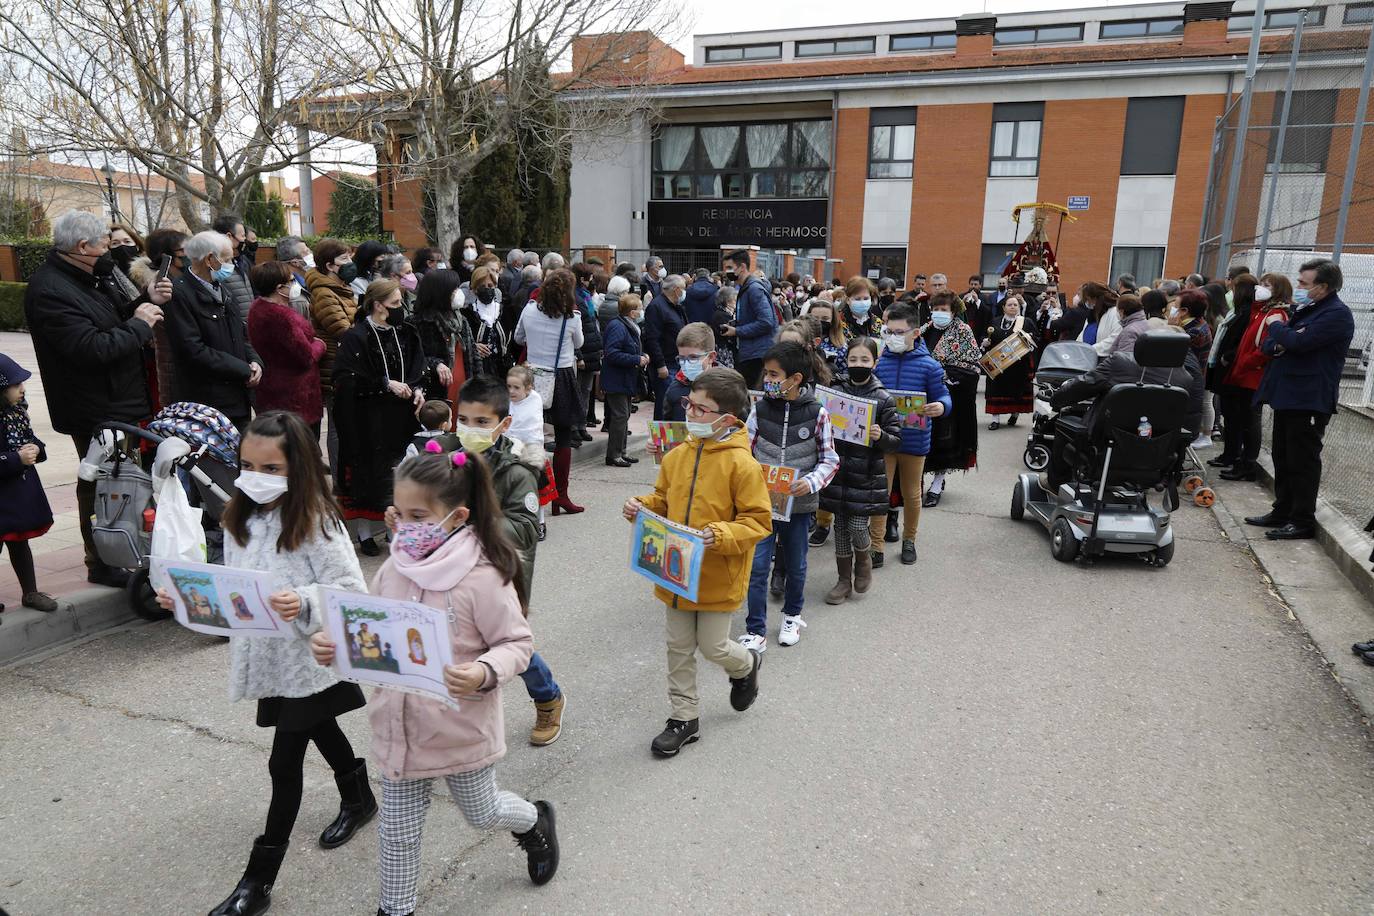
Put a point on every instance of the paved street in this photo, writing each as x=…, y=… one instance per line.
x=988, y=732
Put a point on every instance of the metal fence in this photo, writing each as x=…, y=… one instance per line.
x=1292, y=178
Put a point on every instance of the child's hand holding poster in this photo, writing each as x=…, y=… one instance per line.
x=851, y=417
x=218, y=600
x=664, y=436
x=779, y=482
x=667, y=554
x=403, y=645
x=911, y=407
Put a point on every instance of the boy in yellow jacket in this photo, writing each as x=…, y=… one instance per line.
x=712, y=483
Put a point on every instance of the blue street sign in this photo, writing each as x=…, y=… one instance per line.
x=1080, y=202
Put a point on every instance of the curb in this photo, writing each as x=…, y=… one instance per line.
x=91, y=610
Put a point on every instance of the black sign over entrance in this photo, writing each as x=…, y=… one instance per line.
x=767, y=223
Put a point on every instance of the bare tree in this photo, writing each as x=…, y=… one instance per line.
x=451, y=81
x=203, y=93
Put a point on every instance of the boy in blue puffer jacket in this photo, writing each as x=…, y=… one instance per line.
x=906, y=365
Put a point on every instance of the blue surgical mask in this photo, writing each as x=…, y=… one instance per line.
x=692, y=367
x=941, y=319
x=859, y=308
x=1301, y=297
x=222, y=273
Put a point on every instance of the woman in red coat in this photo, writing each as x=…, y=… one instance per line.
x=286, y=341
x=1272, y=298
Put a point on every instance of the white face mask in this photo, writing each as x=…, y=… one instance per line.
x=309, y=261
x=895, y=343
x=295, y=292
x=469, y=255
x=261, y=488
x=661, y=272
x=457, y=300
x=1263, y=294
x=442, y=265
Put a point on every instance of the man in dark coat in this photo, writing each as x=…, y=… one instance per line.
x=90, y=342
x=509, y=278
x=1301, y=385
x=663, y=319
x=215, y=363
x=700, y=300
x=236, y=283
x=756, y=320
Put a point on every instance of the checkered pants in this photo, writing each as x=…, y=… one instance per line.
x=404, y=805
x=851, y=534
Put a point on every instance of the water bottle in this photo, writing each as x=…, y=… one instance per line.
x=1144, y=429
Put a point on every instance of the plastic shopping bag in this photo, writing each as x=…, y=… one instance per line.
x=177, y=532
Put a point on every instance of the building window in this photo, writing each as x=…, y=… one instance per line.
x=831, y=47
x=994, y=258
x=1038, y=35
x=1276, y=19
x=927, y=42
x=884, y=262
x=743, y=52
x=1308, y=139
x=1145, y=264
x=1016, y=139
x=1141, y=28
x=721, y=161
x=1150, y=146
x=891, y=142
x=1359, y=14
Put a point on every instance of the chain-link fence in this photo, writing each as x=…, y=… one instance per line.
x=1292, y=178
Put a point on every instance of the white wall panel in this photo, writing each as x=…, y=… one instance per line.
x=1297, y=202
x=1143, y=206
x=887, y=213
x=1002, y=195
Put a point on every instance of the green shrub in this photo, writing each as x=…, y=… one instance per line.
x=12, y=306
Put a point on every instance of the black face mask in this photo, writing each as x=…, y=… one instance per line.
x=123, y=256
x=104, y=265
x=250, y=248
x=486, y=295
x=860, y=375
x=729, y=276
x=825, y=328
x=395, y=316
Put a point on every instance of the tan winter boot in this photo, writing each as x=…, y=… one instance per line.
x=840, y=592
x=863, y=571
x=548, y=723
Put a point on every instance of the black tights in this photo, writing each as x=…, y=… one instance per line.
x=285, y=766
x=21, y=558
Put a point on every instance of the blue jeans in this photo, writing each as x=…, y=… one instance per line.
x=789, y=538
x=539, y=681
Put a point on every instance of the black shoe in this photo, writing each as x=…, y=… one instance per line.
x=630, y=458
x=995, y=424
x=744, y=690
x=877, y=559
x=1291, y=532
x=254, y=892
x=1220, y=461
x=908, y=553
x=1360, y=648
x=777, y=583
x=1268, y=520
x=1011, y=421
x=357, y=806
x=543, y=531
x=1239, y=472
x=1367, y=658
x=891, y=535
x=619, y=463
x=107, y=576
x=369, y=547
x=675, y=735
x=932, y=499
x=819, y=536
x=575, y=441
x=540, y=843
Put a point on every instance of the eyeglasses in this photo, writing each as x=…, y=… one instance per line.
x=696, y=410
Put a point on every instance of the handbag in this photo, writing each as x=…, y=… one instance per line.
x=544, y=378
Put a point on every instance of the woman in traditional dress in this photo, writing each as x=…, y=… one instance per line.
x=1010, y=393
x=954, y=445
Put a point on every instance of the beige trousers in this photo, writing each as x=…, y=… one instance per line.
x=708, y=631
x=911, y=467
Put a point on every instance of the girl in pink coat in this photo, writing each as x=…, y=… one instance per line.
x=449, y=552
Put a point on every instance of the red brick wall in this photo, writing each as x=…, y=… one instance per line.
x=851, y=171
x=951, y=177
x=1080, y=154
x=1200, y=113
x=322, y=187
x=1208, y=31
x=1360, y=223
x=401, y=209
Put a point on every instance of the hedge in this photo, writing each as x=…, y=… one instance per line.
x=12, y=306
x=31, y=252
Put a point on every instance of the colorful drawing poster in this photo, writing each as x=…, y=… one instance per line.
x=910, y=405
x=850, y=417
x=667, y=554
x=219, y=600
x=779, y=482
x=666, y=435
x=402, y=645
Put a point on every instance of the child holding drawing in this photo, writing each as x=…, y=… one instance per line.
x=858, y=491
x=283, y=519
x=711, y=483
x=449, y=551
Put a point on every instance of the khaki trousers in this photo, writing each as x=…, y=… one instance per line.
x=708, y=631
x=911, y=467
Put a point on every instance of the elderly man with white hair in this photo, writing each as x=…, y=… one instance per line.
x=215, y=363
x=509, y=278
x=531, y=259
x=90, y=343
x=551, y=262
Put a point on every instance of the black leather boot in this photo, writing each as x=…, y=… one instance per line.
x=890, y=535
x=254, y=892
x=357, y=806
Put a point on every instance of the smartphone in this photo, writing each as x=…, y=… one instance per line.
x=165, y=266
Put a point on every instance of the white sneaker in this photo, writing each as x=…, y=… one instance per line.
x=790, y=633
x=1202, y=442
x=751, y=641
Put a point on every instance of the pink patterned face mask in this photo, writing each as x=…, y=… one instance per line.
x=409, y=281
x=417, y=540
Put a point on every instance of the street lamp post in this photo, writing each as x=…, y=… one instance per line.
x=108, y=171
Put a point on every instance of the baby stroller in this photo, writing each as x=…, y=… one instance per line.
x=1060, y=361
x=190, y=438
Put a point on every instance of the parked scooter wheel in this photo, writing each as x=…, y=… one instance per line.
x=1018, y=503
x=1164, y=554
x=1036, y=458
x=143, y=597
x=1063, y=544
